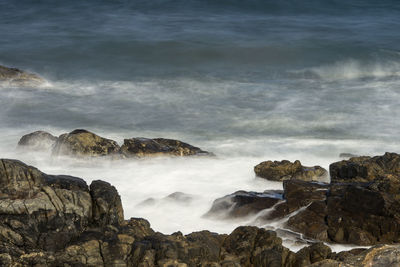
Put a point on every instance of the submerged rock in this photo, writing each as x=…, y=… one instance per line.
x=144, y=147
x=84, y=143
x=242, y=203
x=17, y=77
x=39, y=140
x=285, y=170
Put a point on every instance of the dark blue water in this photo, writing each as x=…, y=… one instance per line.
x=210, y=69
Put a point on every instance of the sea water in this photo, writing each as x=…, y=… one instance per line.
x=247, y=80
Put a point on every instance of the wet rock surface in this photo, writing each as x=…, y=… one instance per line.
x=84, y=143
x=145, y=147
x=361, y=206
x=243, y=203
x=286, y=170
x=39, y=140
x=17, y=77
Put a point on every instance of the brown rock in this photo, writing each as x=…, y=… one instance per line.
x=38, y=140
x=285, y=170
x=144, y=147
x=84, y=143
x=17, y=77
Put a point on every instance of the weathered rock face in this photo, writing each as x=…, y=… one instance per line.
x=39, y=140
x=242, y=203
x=365, y=169
x=84, y=143
x=144, y=147
x=285, y=170
x=39, y=210
x=17, y=77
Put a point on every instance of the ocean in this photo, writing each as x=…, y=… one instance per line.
x=248, y=80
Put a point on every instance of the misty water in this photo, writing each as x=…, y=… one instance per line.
x=247, y=80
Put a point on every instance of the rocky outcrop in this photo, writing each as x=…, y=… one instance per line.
x=285, y=170
x=364, y=210
x=83, y=143
x=17, y=77
x=57, y=220
x=39, y=140
x=365, y=169
x=145, y=147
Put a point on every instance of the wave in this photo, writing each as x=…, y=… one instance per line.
x=350, y=70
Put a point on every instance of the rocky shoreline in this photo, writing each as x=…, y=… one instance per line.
x=59, y=220
x=49, y=220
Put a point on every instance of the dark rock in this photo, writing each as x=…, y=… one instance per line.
x=38, y=140
x=285, y=170
x=107, y=207
x=365, y=169
x=252, y=246
x=144, y=147
x=17, y=77
x=242, y=203
x=84, y=143
x=312, y=254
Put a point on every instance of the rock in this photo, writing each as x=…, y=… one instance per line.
x=285, y=170
x=365, y=169
x=242, y=203
x=144, y=147
x=107, y=207
x=385, y=256
x=39, y=140
x=39, y=210
x=252, y=246
x=85, y=144
x=17, y=77
x=312, y=254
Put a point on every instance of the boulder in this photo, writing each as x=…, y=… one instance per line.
x=83, y=143
x=285, y=170
x=243, y=203
x=17, y=77
x=365, y=169
x=145, y=147
x=39, y=140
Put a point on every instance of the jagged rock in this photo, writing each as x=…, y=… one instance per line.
x=252, y=246
x=144, y=147
x=382, y=256
x=242, y=203
x=365, y=169
x=17, y=77
x=84, y=143
x=312, y=254
x=107, y=207
x=38, y=210
x=285, y=170
x=39, y=140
